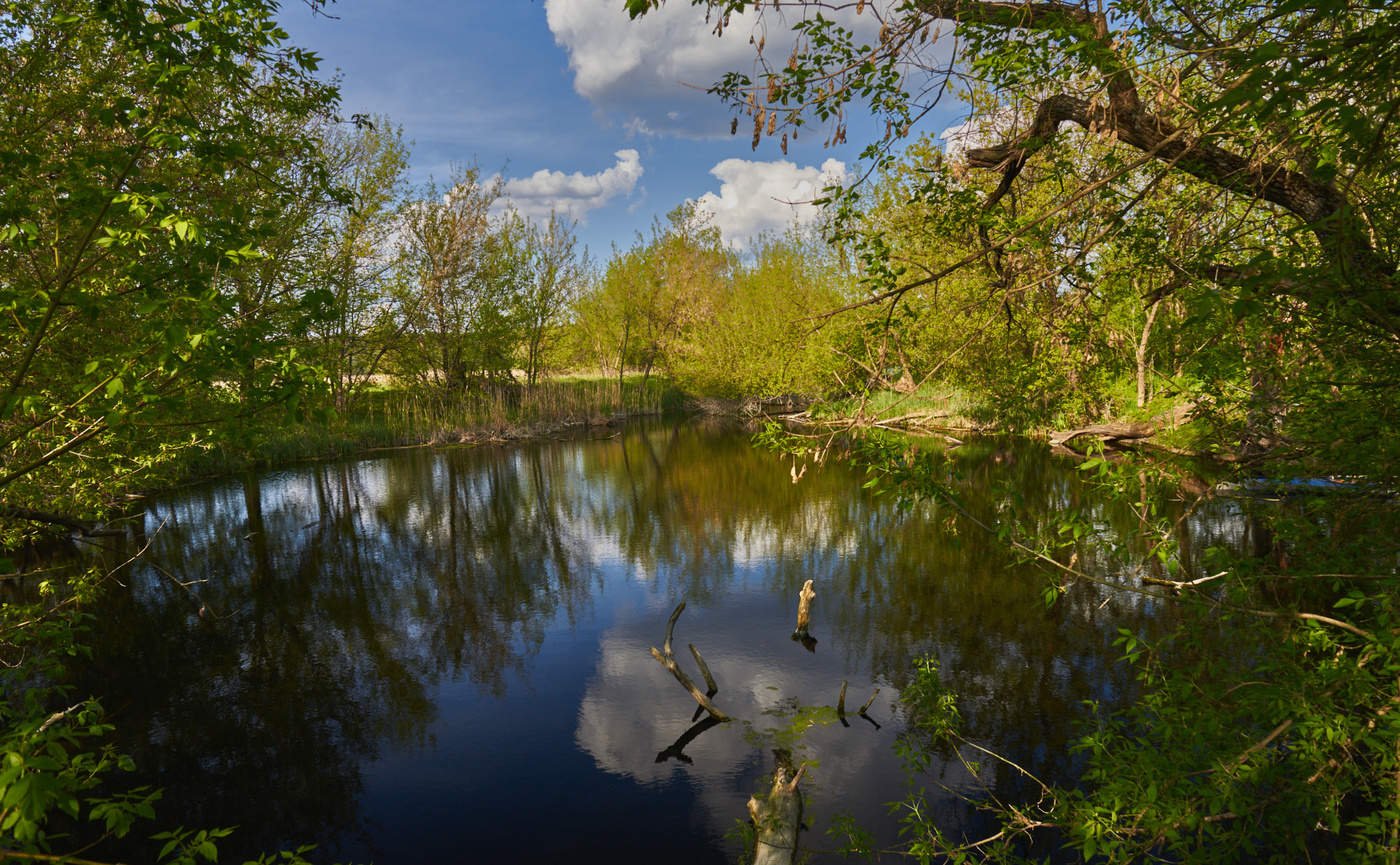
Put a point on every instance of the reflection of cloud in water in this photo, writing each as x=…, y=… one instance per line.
x=633, y=709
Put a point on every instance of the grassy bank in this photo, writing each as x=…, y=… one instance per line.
x=395, y=417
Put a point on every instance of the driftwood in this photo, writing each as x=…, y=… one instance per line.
x=667, y=659
x=777, y=818
x=710, y=687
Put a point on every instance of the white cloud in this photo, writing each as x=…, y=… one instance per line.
x=653, y=69
x=573, y=195
x=758, y=197
x=633, y=713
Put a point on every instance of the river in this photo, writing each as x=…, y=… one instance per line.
x=444, y=655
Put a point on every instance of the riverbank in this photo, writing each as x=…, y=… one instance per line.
x=1164, y=426
x=392, y=419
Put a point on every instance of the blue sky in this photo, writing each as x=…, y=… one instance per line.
x=578, y=108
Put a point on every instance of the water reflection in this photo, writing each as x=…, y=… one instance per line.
x=439, y=654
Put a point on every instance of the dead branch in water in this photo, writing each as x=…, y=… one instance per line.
x=667, y=659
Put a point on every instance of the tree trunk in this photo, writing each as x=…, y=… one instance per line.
x=1142, y=353
x=777, y=819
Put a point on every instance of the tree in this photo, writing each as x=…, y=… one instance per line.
x=1243, y=170
x=356, y=258
x=144, y=177
x=452, y=301
x=1278, y=116
x=153, y=156
x=555, y=273
x=760, y=339
x=652, y=296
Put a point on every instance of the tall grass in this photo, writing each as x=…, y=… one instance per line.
x=412, y=416
x=396, y=418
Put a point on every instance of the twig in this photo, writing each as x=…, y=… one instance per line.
x=1336, y=623
x=1178, y=585
x=58, y=716
x=1263, y=743
x=49, y=857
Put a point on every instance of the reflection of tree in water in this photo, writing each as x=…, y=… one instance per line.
x=321, y=622
x=336, y=599
x=895, y=584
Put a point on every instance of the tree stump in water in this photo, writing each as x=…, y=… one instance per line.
x=778, y=818
x=804, y=611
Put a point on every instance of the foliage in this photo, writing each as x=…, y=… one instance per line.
x=556, y=276
x=1276, y=745
x=141, y=178
x=649, y=300
x=356, y=256
x=1174, y=194
x=1201, y=197
x=761, y=338
x=160, y=178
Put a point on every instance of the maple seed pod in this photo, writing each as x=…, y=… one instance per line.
x=757, y=130
x=734, y=126
x=782, y=145
x=772, y=122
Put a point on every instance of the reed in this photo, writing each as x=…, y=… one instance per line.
x=427, y=416
x=397, y=418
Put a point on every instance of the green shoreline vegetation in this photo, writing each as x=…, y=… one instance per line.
x=1179, y=216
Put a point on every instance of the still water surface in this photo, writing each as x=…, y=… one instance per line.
x=443, y=656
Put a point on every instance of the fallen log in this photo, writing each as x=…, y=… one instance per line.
x=1109, y=432
x=777, y=818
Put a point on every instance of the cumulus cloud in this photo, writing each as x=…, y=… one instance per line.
x=758, y=197
x=652, y=70
x=574, y=194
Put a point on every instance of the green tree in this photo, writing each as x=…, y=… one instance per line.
x=148, y=149
x=356, y=257
x=761, y=338
x=1232, y=166
x=449, y=300
x=555, y=275
x=652, y=296
x=155, y=158
x=1275, y=120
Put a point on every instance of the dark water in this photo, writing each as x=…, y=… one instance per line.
x=443, y=656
